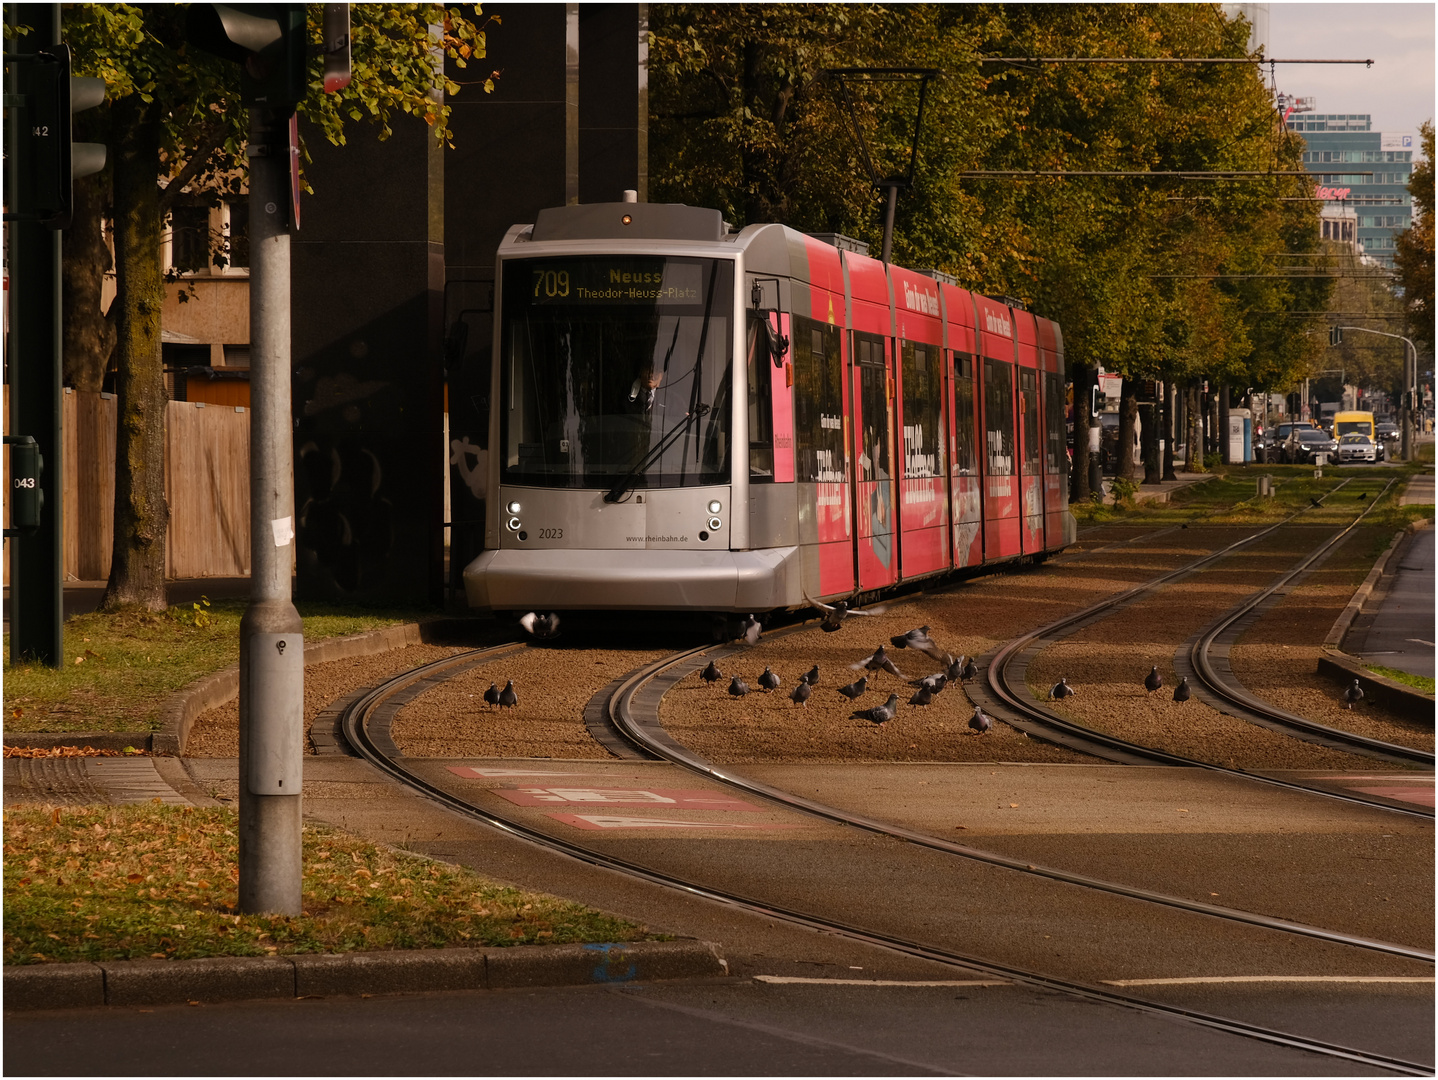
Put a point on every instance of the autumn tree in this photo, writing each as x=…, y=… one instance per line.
x=174, y=120
x=1414, y=255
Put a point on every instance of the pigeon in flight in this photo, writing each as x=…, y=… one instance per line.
x=800, y=693
x=922, y=696
x=768, y=680
x=711, y=674
x=540, y=626
x=1061, y=690
x=835, y=614
x=508, y=699
x=812, y=676
x=879, y=661
x=934, y=684
x=855, y=689
x=738, y=687
x=492, y=694
x=918, y=638
x=1153, y=680
x=980, y=721
x=1353, y=695
x=879, y=714
x=749, y=629
x=1181, y=692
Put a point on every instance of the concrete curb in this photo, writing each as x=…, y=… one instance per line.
x=246, y=978
x=1378, y=690
x=184, y=706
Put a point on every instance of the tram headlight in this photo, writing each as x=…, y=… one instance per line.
x=715, y=506
x=513, y=507
x=514, y=524
x=715, y=524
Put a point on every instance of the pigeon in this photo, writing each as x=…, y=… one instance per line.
x=855, y=689
x=980, y=721
x=540, y=626
x=919, y=639
x=749, y=629
x=812, y=676
x=1153, y=680
x=1061, y=690
x=1363, y=496
x=970, y=671
x=1181, y=692
x=922, y=696
x=738, y=687
x=1314, y=501
x=768, y=680
x=879, y=714
x=492, y=694
x=800, y=694
x=879, y=661
x=508, y=699
x=711, y=674
x=934, y=684
x=1353, y=695
x=955, y=671
x=834, y=615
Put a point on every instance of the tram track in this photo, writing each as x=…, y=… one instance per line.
x=621, y=703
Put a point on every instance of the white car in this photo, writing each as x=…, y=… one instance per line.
x=1357, y=447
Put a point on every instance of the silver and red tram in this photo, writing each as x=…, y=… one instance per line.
x=688, y=418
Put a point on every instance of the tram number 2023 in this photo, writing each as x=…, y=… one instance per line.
x=551, y=534
x=551, y=283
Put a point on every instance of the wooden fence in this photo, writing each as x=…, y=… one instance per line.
x=207, y=486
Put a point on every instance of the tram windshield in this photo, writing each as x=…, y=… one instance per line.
x=616, y=371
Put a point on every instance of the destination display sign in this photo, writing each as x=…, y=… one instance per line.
x=615, y=281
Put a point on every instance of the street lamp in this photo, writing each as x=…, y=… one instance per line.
x=1410, y=385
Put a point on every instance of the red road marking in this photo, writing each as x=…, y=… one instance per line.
x=1420, y=796
x=614, y=821
x=679, y=798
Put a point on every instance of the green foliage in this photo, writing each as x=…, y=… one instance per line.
x=1414, y=255
x=1419, y=682
x=1123, y=490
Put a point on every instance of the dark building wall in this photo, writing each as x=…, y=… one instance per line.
x=367, y=305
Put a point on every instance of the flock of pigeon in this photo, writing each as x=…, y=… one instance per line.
x=956, y=670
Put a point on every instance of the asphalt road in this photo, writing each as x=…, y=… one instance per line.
x=1401, y=632
x=733, y=1027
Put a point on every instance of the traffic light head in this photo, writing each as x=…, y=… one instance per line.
x=48, y=160
x=27, y=497
x=1335, y=335
x=269, y=41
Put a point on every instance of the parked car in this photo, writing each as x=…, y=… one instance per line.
x=1304, y=444
x=1355, y=446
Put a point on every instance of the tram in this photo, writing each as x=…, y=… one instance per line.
x=691, y=418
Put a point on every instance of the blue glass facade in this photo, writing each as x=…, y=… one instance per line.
x=1353, y=169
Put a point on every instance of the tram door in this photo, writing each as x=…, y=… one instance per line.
x=967, y=483
x=877, y=541
x=1030, y=451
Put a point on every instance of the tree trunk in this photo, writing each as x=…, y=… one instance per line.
x=1193, y=440
x=1152, y=412
x=89, y=338
x=1127, y=426
x=1170, y=430
x=137, y=568
x=1223, y=443
x=1083, y=393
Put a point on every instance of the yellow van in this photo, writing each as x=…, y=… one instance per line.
x=1362, y=423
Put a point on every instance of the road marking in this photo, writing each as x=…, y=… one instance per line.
x=472, y=772
x=790, y=979
x=614, y=821
x=678, y=798
x=1420, y=641
x=1418, y=796
x=1205, y=979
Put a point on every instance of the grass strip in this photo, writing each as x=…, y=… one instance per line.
x=1418, y=682
x=119, y=668
x=156, y=881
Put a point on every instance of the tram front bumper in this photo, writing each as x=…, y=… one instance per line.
x=655, y=580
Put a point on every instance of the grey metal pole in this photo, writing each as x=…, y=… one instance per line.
x=271, y=638
x=889, y=222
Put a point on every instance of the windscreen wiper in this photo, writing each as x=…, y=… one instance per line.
x=620, y=489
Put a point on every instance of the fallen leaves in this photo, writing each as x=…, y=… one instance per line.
x=66, y=752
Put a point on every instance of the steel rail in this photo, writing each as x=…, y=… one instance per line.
x=354, y=723
x=1201, y=659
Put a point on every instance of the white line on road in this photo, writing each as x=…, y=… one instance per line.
x=1271, y=979
x=788, y=979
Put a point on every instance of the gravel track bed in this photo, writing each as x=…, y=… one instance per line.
x=1106, y=663
x=553, y=685
x=216, y=733
x=973, y=618
x=1277, y=658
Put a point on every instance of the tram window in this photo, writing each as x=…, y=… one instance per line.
x=761, y=409
x=966, y=462
x=1054, y=423
x=818, y=403
x=999, y=417
x=923, y=442
x=874, y=403
x=1029, y=412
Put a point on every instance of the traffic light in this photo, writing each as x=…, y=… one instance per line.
x=48, y=160
x=27, y=498
x=1335, y=335
x=269, y=41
